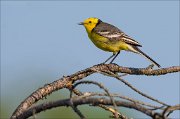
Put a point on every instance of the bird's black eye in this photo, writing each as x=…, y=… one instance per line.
x=90, y=22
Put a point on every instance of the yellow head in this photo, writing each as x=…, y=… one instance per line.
x=90, y=23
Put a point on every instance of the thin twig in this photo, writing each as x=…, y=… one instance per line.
x=135, y=89
x=129, y=99
x=122, y=75
x=77, y=92
x=114, y=112
x=102, y=87
x=76, y=110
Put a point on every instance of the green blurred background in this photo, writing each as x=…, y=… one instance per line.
x=41, y=42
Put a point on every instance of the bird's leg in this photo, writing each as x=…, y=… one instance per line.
x=115, y=57
x=109, y=58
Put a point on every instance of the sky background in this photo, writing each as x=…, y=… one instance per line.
x=41, y=42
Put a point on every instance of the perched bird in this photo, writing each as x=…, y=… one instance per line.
x=109, y=38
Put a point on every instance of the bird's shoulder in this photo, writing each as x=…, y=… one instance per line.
x=106, y=29
x=113, y=33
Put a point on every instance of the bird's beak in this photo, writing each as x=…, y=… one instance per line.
x=81, y=23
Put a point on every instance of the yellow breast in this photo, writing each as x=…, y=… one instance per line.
x=105, y=44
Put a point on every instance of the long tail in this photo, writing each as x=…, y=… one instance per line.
x=137, y=50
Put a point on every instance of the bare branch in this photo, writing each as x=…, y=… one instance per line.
x=67, y=81
x=170, y=109
x=81, y=100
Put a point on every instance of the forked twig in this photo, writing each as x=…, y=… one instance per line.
x=132, y=87
x=102, y=87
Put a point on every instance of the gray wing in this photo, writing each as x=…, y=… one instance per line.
x=113, y=33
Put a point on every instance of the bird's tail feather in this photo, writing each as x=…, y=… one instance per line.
x=137, y=50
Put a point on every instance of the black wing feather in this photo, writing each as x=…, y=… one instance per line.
x=113, y=33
